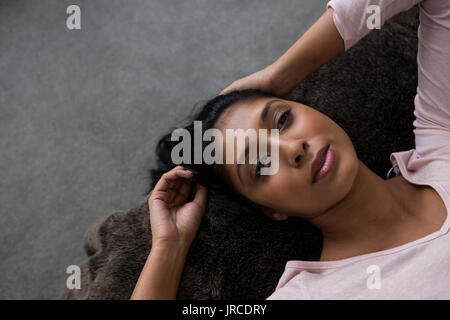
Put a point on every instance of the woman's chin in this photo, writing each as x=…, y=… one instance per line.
x=341, y=176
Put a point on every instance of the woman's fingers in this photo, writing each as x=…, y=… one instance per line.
x=226, y=90
x=232, y=87
x=174, y=188
x=201, y=196
x=168, y=179
x=180, y=193
x=185, y=190
x=169, y=184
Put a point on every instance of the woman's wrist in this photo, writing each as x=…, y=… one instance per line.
x=160, y=276
x=171, y=245
x=169, y=254
x=284, y=78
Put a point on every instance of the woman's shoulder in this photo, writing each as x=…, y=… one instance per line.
x=424, y=168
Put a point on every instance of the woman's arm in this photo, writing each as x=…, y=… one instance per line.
x=174, y=223
x=317, y=46
x=354, y=18
x=342, y=25
x=161, y=274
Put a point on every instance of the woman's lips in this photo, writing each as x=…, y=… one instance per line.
x=322, y=163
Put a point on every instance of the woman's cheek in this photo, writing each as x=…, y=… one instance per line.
x=286, y=184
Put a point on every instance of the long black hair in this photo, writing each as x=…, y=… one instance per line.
x=209, y=113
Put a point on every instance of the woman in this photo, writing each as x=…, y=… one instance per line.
x=381, y=238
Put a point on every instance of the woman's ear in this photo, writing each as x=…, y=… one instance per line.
x=272, y=214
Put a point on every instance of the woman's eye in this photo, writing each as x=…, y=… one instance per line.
x=283, y=118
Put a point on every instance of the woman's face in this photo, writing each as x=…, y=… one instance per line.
x=292, y=191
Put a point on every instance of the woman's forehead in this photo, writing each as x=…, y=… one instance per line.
x=242, y=115
x=241, y=119
x=237, y=120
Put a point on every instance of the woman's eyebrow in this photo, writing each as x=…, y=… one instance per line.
x=265, y=111
x=262, y=119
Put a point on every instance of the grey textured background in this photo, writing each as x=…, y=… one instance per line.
x=81, y=110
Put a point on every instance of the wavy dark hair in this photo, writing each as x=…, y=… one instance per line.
x=205, y=174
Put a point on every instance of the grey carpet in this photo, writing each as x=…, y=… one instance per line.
x=81, y=111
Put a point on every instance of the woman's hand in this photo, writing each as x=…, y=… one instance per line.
x=174, y=223
x=264, y=80
x=174, y=220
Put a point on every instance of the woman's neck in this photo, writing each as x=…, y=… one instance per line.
x=372, y=215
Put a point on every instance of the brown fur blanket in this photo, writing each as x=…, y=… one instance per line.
x=238, y=254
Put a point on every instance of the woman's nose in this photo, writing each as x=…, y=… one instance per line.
x=293, y=150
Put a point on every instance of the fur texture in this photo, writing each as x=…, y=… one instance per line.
x=238, y=254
